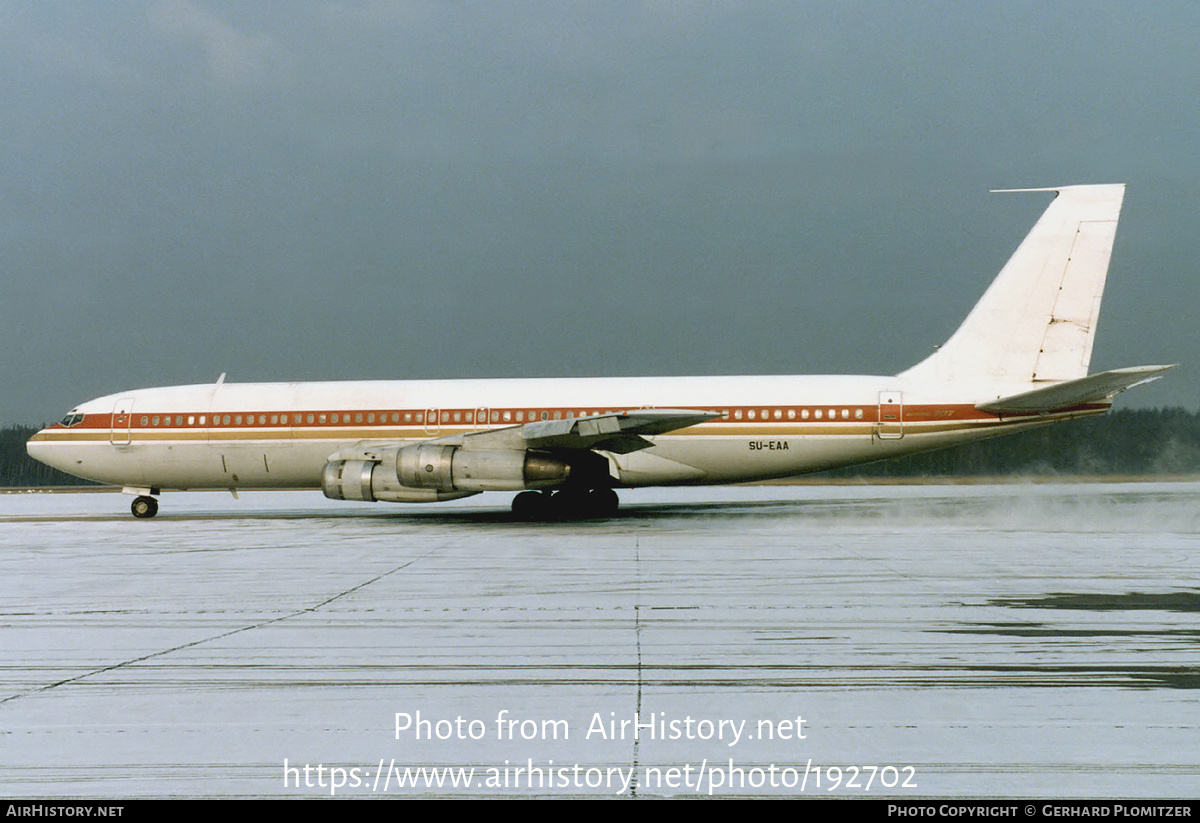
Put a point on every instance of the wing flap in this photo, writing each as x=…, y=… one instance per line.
x=621, y=432
x=1091, y=389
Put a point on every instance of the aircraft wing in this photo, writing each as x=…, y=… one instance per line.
x=619, y=432
x=1091, y=389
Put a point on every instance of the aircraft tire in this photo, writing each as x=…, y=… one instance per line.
x=603, y=502
x=569, y=504
x=531, y=505
x=144, y=506
x=565, y=504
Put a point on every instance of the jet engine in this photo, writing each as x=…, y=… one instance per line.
x=428, y=472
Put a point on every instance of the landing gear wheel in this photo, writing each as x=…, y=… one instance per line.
x=144, y=506
x=531, y=505
x=569, y=504
x=602, y=502
x=565, y=504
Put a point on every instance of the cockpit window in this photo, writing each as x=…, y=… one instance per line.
x=73, y=418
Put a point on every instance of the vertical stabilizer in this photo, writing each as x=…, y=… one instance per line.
x=1035, y=324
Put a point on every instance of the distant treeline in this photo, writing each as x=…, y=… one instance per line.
x=1125, y=442
x=1144, y=442
x=17, y=468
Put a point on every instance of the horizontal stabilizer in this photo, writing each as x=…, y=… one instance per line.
x=1092, y=389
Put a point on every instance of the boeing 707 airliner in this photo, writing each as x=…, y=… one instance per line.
x=1019, y=360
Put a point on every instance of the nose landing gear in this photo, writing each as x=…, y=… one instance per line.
x=144, y=506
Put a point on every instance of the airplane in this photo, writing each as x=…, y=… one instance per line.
x=1019, y=360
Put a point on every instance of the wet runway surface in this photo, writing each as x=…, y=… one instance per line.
x=1032, y=641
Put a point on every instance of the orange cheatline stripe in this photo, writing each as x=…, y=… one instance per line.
x=925, y=418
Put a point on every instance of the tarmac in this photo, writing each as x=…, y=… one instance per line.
x=850, y=641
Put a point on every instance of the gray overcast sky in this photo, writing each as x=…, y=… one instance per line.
x=325, y=190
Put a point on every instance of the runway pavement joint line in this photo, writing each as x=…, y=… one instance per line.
x=162, y=652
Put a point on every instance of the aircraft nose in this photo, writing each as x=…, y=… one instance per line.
x=40, y=450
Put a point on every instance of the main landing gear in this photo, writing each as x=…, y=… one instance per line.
x=144, y=506
x=565, y=504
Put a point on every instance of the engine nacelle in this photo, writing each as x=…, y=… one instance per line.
x=370, y=481
x=452, y=468
x=428, y=472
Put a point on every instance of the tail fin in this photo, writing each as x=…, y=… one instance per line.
x=1035, y=324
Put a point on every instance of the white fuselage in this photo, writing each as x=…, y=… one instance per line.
x=280, y=435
